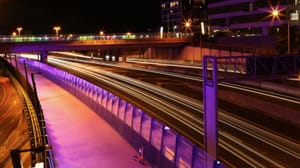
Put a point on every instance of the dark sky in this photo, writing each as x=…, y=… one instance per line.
x=79, y=16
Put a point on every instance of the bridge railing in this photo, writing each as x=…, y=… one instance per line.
x=81, y=37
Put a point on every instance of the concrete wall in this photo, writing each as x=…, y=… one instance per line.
x=188, y=53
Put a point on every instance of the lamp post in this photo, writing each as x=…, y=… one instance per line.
x=275, y=14
x=56, y=29
x=101, y=33
x=187, y=26
x=19, y=29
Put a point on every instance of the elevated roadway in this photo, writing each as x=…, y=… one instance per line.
x=45, y=43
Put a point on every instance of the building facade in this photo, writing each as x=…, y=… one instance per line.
x=249, y=17
x=176, y=13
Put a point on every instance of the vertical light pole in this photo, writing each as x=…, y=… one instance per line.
x=187, y=26
x=56, y=29
x=19, y=29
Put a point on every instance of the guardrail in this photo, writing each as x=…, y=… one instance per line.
x=35, y=119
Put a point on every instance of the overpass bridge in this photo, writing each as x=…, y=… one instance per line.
x=42, y=44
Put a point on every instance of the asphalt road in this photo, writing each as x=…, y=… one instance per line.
x=13, y=125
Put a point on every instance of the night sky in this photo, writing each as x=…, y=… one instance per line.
x=79, y=16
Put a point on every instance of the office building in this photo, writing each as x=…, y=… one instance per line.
x=176, y=13
x=250, y=17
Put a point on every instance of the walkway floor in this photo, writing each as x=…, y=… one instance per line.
x=79, y=137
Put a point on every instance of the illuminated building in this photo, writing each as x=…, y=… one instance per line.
x=248, y=17
x=175, y=13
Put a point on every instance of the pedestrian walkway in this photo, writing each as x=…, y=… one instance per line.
x=78, y=136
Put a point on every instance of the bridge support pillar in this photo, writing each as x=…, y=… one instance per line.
x=44, y=56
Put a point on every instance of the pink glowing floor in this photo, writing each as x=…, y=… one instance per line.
x=79, y=137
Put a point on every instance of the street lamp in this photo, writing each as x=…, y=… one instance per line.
x=187, y=25
x=101, y=33
x=56, y=28
x=19, y=29
x=275, y=12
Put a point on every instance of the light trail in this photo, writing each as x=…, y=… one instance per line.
x=169, y=108
x=262, y=92
x=280, y=144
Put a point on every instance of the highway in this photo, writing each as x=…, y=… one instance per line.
x=242, y=143
x=14, y=128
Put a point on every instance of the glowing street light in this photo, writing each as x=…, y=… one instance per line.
x=187, y=25
x=19, y=29
x=275, y=12
x=56, y=28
